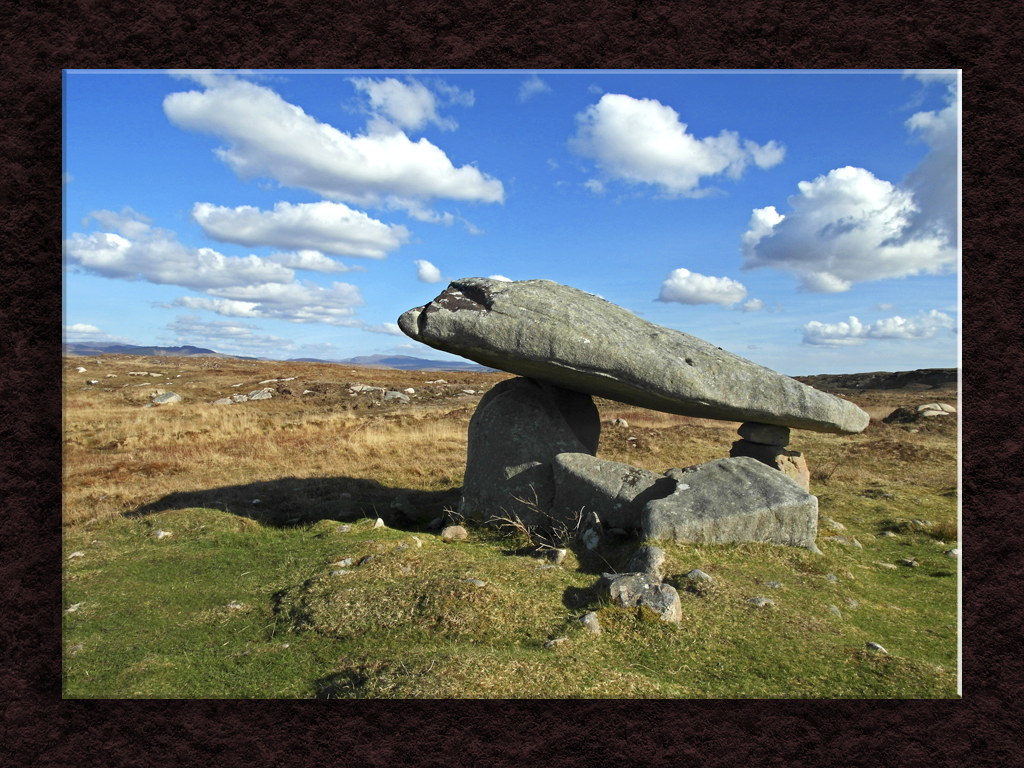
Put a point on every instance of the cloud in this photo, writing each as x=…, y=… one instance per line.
x=595, y=186
x=501, y=278
x=854, y=332
x=427, y=272
x=234, y=286
x=410, y=105
x=312, y=261
x=156, y=256
x=642, y=141
x=85, y=332
x=531, y=87
x=753, y=305
x=295, y=302
x=391, y=329
x=846, y=227
x=325, y=227
x=686, y=287
x=226, y=336
x=268, y=137
x=66, y=178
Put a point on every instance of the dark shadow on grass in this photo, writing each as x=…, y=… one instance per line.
x=293, y=501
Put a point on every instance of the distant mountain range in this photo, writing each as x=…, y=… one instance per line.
x=400, y=362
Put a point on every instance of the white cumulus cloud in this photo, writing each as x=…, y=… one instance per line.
x=854, y=332
x=753, y=305
x=226, y=336
x=501, y=278
x=390, y=329
x=686, y=287
x=845, y=227
x=427, y=272
x=410, y=105
x=644, y=141
x=86, y=332
x=531, y=87
x=312, y=261
x=325, y=227
x=269, y=137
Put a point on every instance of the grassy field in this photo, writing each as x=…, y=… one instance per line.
x=205, y=549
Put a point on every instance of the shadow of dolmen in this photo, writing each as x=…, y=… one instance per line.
x=294, y=501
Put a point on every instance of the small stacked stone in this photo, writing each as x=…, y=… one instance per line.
x=767, y=443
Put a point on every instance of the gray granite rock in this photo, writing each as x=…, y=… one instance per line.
x=733, y=500
x=764, y=434
x=617, y=492
x=555, y=333
x=630, y=590
x=648, y=559
x=517, y=430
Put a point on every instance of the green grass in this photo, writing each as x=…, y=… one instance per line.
x=154, y=619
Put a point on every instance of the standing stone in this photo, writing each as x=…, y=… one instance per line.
x=790, y=463
x=733, y=500
x=764, y=434
x=517, y=430
x=551, y=332
x=617, y=492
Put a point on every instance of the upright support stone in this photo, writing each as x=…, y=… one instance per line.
x=518, y=428
x=790, y=463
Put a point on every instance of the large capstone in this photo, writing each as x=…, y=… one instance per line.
x=518, y=428
x=578, y=341
x=733, y=500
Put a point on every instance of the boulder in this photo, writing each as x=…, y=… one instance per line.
x=790, y=463
x=764, y=434
x=616, y=492
x=166, y=398
x=581, y=342
x=631, y=590
x=648, y=559
x=517, y=430
x=733, y=500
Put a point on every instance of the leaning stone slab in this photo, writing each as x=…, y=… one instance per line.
x=733, y=500
x=516, y=431
x=617, y=492
x=555, y=333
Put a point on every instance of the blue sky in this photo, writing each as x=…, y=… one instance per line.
x=808, y=221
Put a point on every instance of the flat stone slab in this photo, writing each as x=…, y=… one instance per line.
x=733, y=500
x=551, y=332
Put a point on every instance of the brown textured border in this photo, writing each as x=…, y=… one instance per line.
x=38, y=728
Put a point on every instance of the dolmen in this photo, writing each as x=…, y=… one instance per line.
x=533, y=440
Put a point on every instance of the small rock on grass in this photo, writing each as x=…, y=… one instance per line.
x=761, y=602
x=875, y=647
x=76, y=554
x=835, y=611
x=378, y=523
x=591, y=622
x=474, y=582
x=556, y=641
x=454, y=533
x=698, y=575
x=235, y=605
x=773, y=584
x=344, y=528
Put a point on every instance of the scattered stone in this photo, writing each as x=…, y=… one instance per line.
x=474, y=582
x=887, y=565
x=343, y=563
x=548, y=567
x=698, y=575
x=650, y=560
x=366, y=559
x=469, y=391
x=764, y=434
x=156, y=374
x=454, y=533
x=887, y=535
x=161, y=534
x=232, y=386
x=518, y=429
x=92, y=381
x=166, y=398
x=832, y=578
x=836, y=611
x=630, y=590
x=400, y=396
x=235, y=606
x=875, y=647
x=340, y=572
x=76, y=648
x=620, y=423
x=138, y=373
x=73, y=608
x=620, y=491
x=773, y=584
x=409, y=391
x=437, y=381
x=240, y=398
x=261, y=394
x=418, y=542
x=851, y=602
x=80, y=369
x=308, y=392
x=857, y=544
x=224, y=401
x=76, y=554
x=833, y=524
x=733, y=500
x=579, y=341
x=910, y=562
x=837, y=539
x=110, y=376
x=378, y=523
x=954, y=552
x=593, y=532
x=553, y=643
x=269, y=381
x=761, y=602
x=591, y=622
x=344, y=528
x=554, y=556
